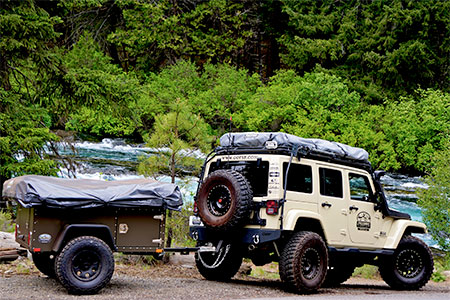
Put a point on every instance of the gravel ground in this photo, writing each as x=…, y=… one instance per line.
x=20, y=280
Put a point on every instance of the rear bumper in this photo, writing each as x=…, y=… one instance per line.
x=245, y=235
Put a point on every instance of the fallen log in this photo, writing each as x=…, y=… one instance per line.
x=10, y=254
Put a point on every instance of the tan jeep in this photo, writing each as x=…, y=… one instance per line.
x=315, y=206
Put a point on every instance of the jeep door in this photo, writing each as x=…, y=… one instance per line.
x=364, y=221
x=332, y=204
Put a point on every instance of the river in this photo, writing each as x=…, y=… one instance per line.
x=114, y=159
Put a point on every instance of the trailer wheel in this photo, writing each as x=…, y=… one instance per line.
x=303, y=262
x=45, y=262
x=85, y=265
x=410, y=267
x=221, y=265
x=224, y=200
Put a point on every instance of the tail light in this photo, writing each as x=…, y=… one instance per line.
x=272, y=207
x=195, y=208
x=16, y=231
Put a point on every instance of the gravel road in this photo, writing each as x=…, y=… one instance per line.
x=21, y=281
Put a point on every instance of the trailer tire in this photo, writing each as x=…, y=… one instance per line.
x=221, y=265
x=410, y=267
x=85, y=265
x=45, y=263
x=224, y=200
x=303, y=262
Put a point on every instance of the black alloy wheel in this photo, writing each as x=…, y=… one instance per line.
x=410, y=267
x=304, y=262
x=219, y=200
x=85, y=265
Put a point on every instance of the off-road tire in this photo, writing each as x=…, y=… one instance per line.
x=219, y=266
x=303, y=262
x=337, y=274
x=85, y=265
x=224, y=200
x=410, y=267
x=45, y=262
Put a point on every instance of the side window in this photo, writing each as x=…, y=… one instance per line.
x=299, y=179
x=359, y=187
x=330, y=182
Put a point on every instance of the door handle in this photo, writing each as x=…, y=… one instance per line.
x=353, y=207
x=326, y=204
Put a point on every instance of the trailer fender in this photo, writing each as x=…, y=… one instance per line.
x=400, y=228
x=72, y=231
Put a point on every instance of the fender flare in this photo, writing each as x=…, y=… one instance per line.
x=294, y=215
x=75, y=230
x=398, y=230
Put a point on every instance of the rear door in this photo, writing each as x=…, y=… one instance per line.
x=332, y=204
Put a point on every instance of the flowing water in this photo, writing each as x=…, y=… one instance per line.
x=114, y=159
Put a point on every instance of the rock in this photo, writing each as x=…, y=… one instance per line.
x=9, y=249
x=245, y=269
x=182, y=260
x=7, y=240
x=446, y=273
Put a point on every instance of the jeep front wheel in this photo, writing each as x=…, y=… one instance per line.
x=224, y=200
x=220, y=265
x=85, y=265
x=410, y=267
x=303, y=263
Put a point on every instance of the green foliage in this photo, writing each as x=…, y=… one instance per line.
x=6, y=221
x=382, y=47
x=23, y=138
x=318, y=105
x=161, y=32
x=435, y=200
x=215, y=93
x=179, y=223
x=441, y=264
x=367, y=271
x=102, y=97
x=175, y=137
x=418, y=126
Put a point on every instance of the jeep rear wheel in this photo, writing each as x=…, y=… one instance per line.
x=410, y=267
x=85, y=265
x=220, y=265
x=303, y=263
x=224, y=200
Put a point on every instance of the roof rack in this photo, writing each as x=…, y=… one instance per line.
x=282, y=143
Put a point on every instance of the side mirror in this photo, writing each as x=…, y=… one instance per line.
x=378, y=174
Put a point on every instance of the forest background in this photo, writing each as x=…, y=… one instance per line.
x=371, y=74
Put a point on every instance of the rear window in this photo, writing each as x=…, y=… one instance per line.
x=299, y=178
x=256, y=172
x=330, y=182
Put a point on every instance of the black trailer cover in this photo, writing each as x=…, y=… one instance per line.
x=52, y=192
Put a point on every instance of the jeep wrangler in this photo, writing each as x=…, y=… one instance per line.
x=316, y=207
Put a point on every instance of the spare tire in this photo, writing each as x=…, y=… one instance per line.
x=224, y=200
